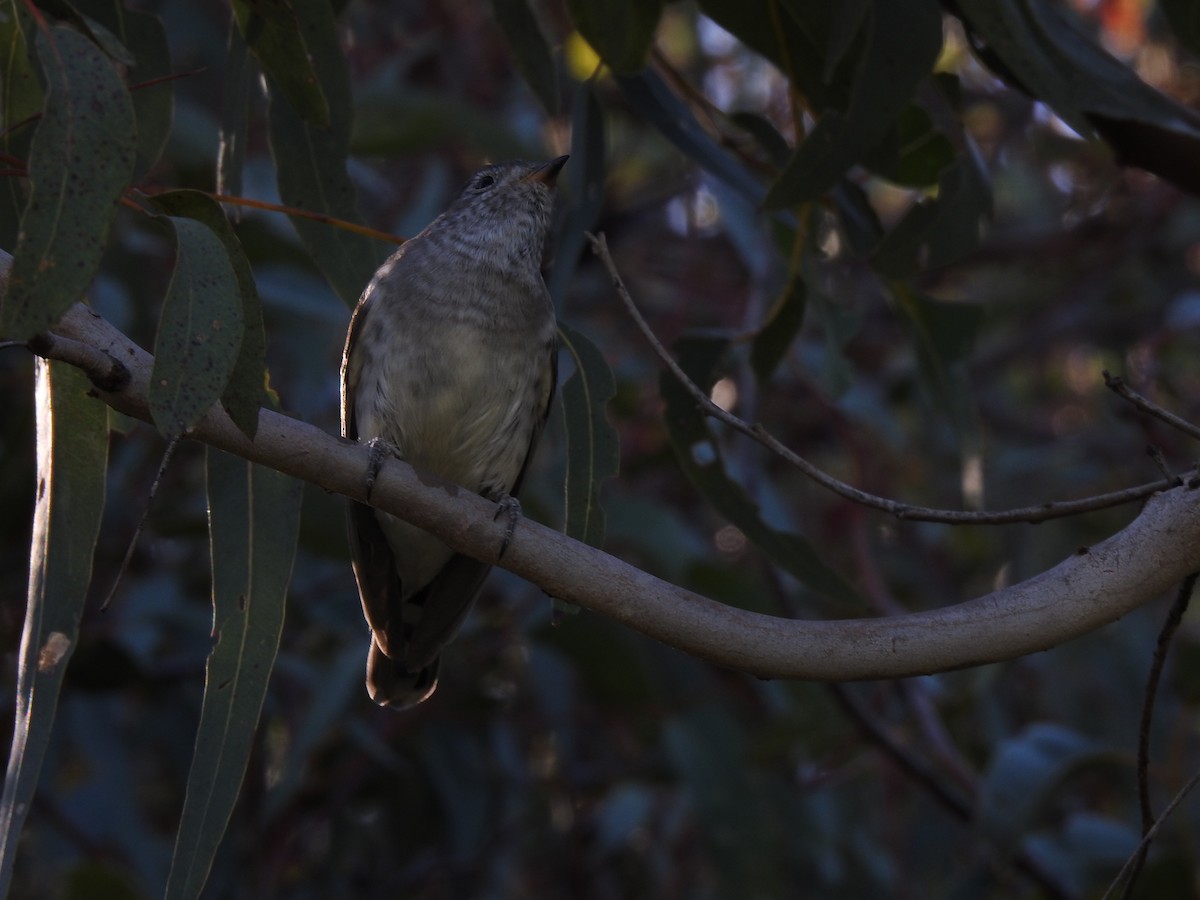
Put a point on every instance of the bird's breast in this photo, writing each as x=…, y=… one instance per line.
x=459, y=400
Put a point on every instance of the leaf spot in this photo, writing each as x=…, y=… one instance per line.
x=53, y=651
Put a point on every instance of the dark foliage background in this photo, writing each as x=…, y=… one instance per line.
x=583, y=760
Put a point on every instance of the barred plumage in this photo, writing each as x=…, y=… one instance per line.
x=450, y=359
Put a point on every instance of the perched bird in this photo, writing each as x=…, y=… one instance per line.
x=450, y=363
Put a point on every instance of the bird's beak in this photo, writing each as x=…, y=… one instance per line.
x=546, y=174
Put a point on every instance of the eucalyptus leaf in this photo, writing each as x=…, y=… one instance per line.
x=72, y=457
x=81, y=158
x=311, y=161
x=530, y=51
x=273, y=32
x=592, y=450
x=246, y=390
x=254, y=518
x=620, y=31
x=199, y=332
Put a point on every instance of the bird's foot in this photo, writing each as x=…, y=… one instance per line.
x=380, y=450
x=507, y=505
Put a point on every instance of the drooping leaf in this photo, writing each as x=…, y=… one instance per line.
x=620, y=31
x=797, y=40
x=235, y=114
x=530, y=51
x=942, y=334
x=912, y=152
x=584, y=176
x=77, y=13
x=245, y=392
x=592, y=453
x=311, y=161
x=701, y=459
x=784, y=320
x=272, y=30
x=140, y=41
x=900, y=45
x=153, y=104
x=80, y=160
x=396, y=123
x=1041, y=50
x=20, y=100
x=199, y=332
x=653, y=100
x=72, y=447
x=254, y=518
x=939, y=230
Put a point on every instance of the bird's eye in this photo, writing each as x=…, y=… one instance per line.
x=484, y=181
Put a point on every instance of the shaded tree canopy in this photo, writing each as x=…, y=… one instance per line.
x=870, y=312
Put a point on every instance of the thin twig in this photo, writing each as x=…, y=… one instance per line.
x=137, y=532
x=1161, y=648
x=1117, y=384
x=1038, y=513
x=1152, y=834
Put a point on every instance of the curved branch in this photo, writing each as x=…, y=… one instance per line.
x=1095, y=586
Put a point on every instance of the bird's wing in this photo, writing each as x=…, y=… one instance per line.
x=370, y=554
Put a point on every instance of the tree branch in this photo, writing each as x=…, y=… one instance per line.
x=1093, y=587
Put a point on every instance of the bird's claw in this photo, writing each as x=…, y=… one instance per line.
x=506, y=504
x=380, y=450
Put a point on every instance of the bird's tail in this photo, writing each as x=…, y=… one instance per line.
x=391, y=684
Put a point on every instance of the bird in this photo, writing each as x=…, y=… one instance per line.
x=450, y=363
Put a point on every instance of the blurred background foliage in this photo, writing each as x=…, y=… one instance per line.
x=863, y=315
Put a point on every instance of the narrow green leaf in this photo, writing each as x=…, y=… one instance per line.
x=700, y=457
x=153, y=104
x=901, y=43
x=943, y=334
x=773, y=339
x=912, y=152
x=1042, y=49
x=530, y=51
x=650, y=97
x=72, y=458
x=592, y=452
x=311, y=161
x=388, y=122
x=20, y=99
x=245, y=392
x=237, y=83
x=20, y=90
x=80, y=160
x=620, y=31
x=76, y=14
x=199, y=332
x=585, y=177
x=254, y=518
x=272, y=31
x=942, y=229
x=149, y=68
x=797, y=40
